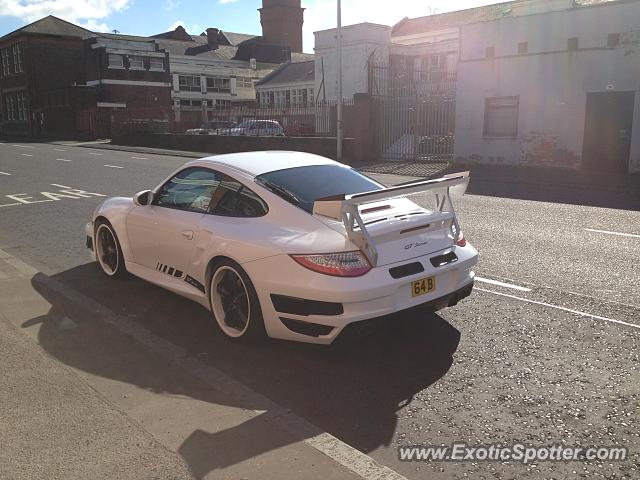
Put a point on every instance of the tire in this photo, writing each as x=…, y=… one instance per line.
x=240, y=319
x=108, y=250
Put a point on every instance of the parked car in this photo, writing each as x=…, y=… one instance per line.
x=288, y=244
x=212, y=128
x=198, y=131
x=258, y=128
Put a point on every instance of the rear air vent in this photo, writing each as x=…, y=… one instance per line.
x=301, y=306
x=306, y=328
x=406, y=270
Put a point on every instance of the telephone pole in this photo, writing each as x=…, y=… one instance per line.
x=339, y=104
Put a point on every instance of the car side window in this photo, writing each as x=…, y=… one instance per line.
x=190, y=189
x=233, y=199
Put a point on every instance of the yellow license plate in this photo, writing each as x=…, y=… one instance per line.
x=423, y=286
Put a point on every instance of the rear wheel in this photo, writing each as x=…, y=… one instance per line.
x=108, y=250
x=234, y=302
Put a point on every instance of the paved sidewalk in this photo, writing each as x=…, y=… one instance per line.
x=108, y=401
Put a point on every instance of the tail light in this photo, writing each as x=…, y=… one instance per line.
x=461, y=242
x=343, y=264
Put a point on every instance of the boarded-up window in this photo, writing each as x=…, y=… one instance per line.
x=501, y=117
x=136, y=63
x=115, y=61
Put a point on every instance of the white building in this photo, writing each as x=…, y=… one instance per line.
x=557, y=88
x=360, y=44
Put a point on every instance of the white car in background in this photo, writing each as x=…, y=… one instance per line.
x=255, y=128
x=288, y=244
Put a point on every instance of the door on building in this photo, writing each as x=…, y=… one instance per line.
x=607, y=131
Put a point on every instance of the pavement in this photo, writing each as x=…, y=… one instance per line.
x=120, y=379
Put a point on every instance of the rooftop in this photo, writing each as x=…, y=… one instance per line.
x=411, y=26
x=291, y=72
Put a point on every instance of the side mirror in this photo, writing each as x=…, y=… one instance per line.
x=143, y=198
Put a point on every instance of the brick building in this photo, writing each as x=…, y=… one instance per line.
x=42, y=77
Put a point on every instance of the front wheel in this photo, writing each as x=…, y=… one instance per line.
x=234, y=302
x=108, y=250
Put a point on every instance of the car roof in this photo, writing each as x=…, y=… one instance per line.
x=257, y=163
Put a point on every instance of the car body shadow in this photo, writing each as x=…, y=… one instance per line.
x=352, y=389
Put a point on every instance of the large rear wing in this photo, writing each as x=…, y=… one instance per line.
x=346, y=207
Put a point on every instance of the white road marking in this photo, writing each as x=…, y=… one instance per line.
x=96, y=154
x=58, y=185
x=26, y=155
x=63, y=159
x=565, y=309
x=613, y=233
x=502, y=284
x=113, y=166
x=4, y=173
x=140, y=158
x=22, y=146
x=59, y=149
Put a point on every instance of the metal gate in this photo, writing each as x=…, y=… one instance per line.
x=416, y=129
x=415, y=113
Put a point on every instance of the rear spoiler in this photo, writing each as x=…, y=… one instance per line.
x=345, y=207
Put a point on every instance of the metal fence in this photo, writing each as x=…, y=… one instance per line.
x=317, y=119
x=415, y=113
x=388, y=80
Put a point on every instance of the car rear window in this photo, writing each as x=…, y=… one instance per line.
x=310, y=183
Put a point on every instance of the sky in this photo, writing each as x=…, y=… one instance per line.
x=148, y=17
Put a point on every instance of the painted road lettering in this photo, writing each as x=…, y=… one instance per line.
x=65, y=193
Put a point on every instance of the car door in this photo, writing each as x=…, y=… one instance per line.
x=162, y=234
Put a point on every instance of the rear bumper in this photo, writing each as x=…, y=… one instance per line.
x=373, y=295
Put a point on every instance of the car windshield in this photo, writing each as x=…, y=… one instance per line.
x=246, y=124
x=302, y=186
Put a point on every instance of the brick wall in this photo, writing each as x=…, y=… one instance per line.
x=325, y=146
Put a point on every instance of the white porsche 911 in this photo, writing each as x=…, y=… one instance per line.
x=288, y=244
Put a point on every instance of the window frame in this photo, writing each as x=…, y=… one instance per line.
x=156, y=60
x=211, y=206
x=136, y=58
x=488, y=108
x=117, y=66
x=190, y=86
x=218, y=84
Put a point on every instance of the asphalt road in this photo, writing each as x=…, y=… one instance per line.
x=545, y=351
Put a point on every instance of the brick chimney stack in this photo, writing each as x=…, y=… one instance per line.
x=212, y=37
x=282, y=23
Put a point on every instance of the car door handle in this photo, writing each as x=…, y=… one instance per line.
x=188, y=234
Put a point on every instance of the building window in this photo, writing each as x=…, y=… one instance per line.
x=115, y=61
x=136, y=63
x=523, y=47
x=6, y=66
x=311, y=96
x=215, y=84
x=572, y=43
x=613, y=40
x=17, y=58
x=189, y=83
x=501, y=117
x=223, y=103
x=490, y=52
x=263, y=97
x=22, y=105
x=156, y=64
x=244, y=82
x=191, y=103
x=16, y=106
